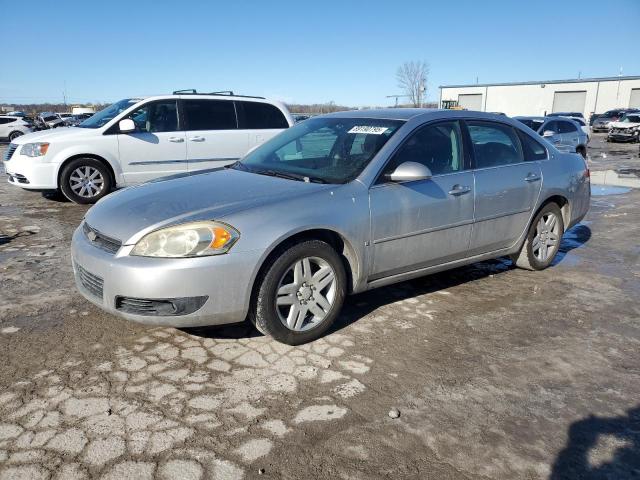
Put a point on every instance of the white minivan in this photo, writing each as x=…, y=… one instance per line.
x=140, y=139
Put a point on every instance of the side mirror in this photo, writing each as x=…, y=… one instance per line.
x=126, y=126
x=410, y=171
x=548, y=133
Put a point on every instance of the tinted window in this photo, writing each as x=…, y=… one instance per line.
x=567, y=127
x=156, y=117
x=532, y=149
x=260, y=115
x=210, y=115
x=494, y=144
x=551, y=126
x=531, y=123
x=438, y=147
x=5, y=120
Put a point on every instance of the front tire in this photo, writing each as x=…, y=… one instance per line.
x=300, y=294
x=85, y=180
x=543, y=239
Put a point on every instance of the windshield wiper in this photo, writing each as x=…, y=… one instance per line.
x=290, y=176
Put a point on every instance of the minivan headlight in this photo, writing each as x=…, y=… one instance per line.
x=196, y=239
x=34, y=149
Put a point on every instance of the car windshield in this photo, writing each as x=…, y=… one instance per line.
x=104, y=116
x=531, y=123
x=631, y=119
x=324, y=150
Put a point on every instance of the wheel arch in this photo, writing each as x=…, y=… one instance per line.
x=338, y=241
x=563, y=204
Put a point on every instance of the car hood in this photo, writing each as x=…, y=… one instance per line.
x=129, y=214
x=60, y=133
x=624, y=124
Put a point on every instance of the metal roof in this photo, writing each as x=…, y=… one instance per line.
x=571, y=80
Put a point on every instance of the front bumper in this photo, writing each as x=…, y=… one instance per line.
x=225, y=279
x=31, y=173
x=623, y=137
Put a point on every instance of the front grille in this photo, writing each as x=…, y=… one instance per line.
x=100, y=240
x=11, y=149
x=91, y=283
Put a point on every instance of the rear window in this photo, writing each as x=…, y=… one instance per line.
x=256, y=115
x=210, y=115
x=566, y=127
x=532, y=124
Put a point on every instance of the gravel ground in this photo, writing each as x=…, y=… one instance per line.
x=495, y=372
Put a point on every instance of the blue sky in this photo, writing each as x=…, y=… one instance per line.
x=303, y=51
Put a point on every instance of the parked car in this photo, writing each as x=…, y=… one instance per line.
x=12, y=127
x=50, y=120
x=566, y=134
x=626, y=130
x=601, y=123
x=566, y=114
x=136, y=140
x=335, y=205
x=73, y=120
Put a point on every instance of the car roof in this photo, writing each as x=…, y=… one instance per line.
x=409, y=113
x=527, y=117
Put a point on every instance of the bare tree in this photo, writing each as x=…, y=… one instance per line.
x=412, y=79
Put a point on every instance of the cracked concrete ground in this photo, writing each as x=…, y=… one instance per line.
x=497, y=372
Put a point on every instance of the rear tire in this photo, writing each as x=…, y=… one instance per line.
x=85, y=180
x=300, y=294
x=543, y=239
x=14, y=135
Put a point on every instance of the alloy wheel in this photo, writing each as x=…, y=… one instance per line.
x=86, y=181
x=306, y=293
x=547, y=237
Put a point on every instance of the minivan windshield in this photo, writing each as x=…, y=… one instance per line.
x=104, y=116
x=323, y=150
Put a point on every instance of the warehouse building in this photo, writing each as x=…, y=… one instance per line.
x=586, y=95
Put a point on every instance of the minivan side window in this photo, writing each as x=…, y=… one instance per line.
x=209, y=115
x=494, y=144
x=156, y=117
x=533, y=150
x=566, y=127
x=437, y=146
x=257, y=115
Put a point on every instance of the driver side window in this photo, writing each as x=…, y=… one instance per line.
x=437, y=146
x=156, y=117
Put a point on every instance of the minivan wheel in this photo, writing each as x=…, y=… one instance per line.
x=300, y=294
x=543, y=239
x=85, y=180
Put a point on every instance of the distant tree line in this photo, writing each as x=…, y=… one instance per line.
x=35, y=108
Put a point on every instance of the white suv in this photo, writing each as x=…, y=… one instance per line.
x=140, y=139
x=12, y=127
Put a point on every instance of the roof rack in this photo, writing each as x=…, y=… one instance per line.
x=193, y=91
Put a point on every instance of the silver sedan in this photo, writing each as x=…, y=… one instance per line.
x=335, y=205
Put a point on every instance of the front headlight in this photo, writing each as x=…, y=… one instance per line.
x=197, y=239
x=34, y=149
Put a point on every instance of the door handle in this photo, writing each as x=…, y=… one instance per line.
x=459, y=190
x=176, y=139
x=532, y=177
x=196, y=139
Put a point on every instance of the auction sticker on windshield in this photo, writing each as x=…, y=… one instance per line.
x=368, y=129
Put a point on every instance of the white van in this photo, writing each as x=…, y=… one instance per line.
x=140, y=139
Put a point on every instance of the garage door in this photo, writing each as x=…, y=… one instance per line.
x=569, y=101
x=470, y=101
x=634, y=101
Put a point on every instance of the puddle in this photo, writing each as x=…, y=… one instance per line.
x=601, y=190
